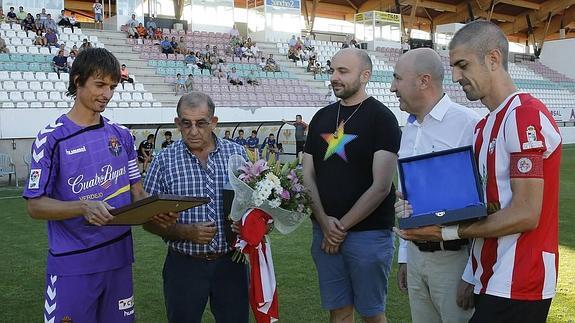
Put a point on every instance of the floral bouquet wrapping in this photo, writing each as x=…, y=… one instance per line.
x=271, y=187
x=265, y=192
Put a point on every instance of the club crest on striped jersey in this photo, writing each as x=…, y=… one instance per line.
x=524, y=165
x=532, y=141
x=34, y=180
x=114, y=146
x=492, y=146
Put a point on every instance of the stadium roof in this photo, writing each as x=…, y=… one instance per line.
x=510, y=15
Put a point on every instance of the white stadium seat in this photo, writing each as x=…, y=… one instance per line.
x=40, y=76
x=55, y=96
x=60, y=86
x=62, y=104
x=14, y=41
x=134, y=104
x=42, y=96
x=139, y=87
x=22, y=86
x=123, y=105
x=137, y=97
x=64, y=77
x=35, y=104
x=53, y=76
x=4, y=76
x=127, y=97
x=148, y=96
x=28, y=76
x=47, y=86
x=116, y=97
x=16, y=96
x=48, y=104
x=9, y=86
x=128, y=87
x=29, y=96
x=15, y=76
x=22, y=105
x=5, y=26
x=112, y=105
x=31, y=49
x=146, y=104
x=35, y=86
x=4, y=96
x=44, y=51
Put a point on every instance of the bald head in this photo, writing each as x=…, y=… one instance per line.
x=481, y=37
x=360, y=55
x=424, y=61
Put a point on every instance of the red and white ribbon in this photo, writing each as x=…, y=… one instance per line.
x=253, y=242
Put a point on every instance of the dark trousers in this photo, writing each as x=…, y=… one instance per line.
x=495, y=309
x=189, y=282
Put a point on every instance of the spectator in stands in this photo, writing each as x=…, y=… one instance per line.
x=151, y=26
x=11, y=17
x=298, y=44
x=220, y=71
x=145, y=151
x=49, y=23
x=209, y=61
x=73, y=21
x=234, y=32
x=327, y=67
x=166, y=46
x=28, y=23
x=255, y=50
x=63, y=19
x=227, y=136
x=292, y=54
x=168, y=139
x=141, y=31
x=182, y=47
x=191, y=60
x=125, y=75
x=98, y=14
x=238, y=52
x=271, y=65
x=39, y=24
x=354, y=43
x=312, y=67
x=85, y=45
x=246, y=52
x=74, y=50
x=199, y=60
x=3, y=48
x=405, y=47
x=51, y=38
x=179, y=84
x=21, y=15
x=132, y=24
x=2, y=16
x=262, y=64
x=234, y=78
x=292, y=41
x=330, y=96
x=60, y=63
x=71, y=59
x=63, y=47
x=190, y=83
x=174, y=45
x=240, y=140
x=251, y=79
x=43, y=15
x=253, y=141
x=307, y=44
x=40, y=40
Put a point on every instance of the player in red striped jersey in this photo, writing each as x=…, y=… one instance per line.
x=514, y=260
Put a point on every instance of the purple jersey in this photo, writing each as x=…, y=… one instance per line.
x=71, y=163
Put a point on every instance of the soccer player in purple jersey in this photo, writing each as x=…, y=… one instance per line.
x=84, y=165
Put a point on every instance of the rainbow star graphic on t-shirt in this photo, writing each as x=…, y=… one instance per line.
x=336, y=144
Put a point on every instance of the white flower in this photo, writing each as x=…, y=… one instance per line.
x=274, y=179
x=275, y=203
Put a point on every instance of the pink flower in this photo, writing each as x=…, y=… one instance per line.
x=297, y=187
x=292, y=176
x=285, y=195
x=252, y=170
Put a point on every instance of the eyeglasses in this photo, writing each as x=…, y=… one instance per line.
x=199, y=124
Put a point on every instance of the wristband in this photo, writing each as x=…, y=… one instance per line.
x=450, y=233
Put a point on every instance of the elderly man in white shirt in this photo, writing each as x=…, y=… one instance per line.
x=431, y=272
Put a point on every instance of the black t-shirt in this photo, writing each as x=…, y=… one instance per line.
x=145, y=146
x=344, y=173
x=166, y=143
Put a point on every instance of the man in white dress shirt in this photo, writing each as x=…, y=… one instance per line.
x=428, y=271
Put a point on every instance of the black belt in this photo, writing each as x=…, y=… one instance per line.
x=451, y=245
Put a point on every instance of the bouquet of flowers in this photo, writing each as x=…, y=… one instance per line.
x=265, y=192
x=271, y=187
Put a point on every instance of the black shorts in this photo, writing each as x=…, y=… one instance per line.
x=299, y=145
x=493, y=309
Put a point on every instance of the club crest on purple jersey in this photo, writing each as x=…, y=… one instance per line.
x=114, y=146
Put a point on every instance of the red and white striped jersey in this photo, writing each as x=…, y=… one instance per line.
x=518, y=140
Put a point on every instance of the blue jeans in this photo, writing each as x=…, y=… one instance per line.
x=189, y=282
x=357, y=275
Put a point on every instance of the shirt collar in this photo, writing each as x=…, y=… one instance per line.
x=438, y=111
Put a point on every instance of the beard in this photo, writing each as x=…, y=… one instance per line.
x=347, y=90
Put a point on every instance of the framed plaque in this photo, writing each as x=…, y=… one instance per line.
x=144, y=210
x=442, y=187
